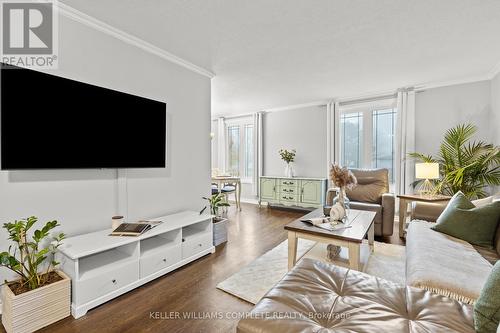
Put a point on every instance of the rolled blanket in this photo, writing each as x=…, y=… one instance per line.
x=443, y=264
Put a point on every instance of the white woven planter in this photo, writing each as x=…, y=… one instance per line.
x=37, y=308
x=220, y=232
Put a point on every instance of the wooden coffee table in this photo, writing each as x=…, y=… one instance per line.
x=361, y=222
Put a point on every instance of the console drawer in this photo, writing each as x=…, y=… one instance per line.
x=195, y=244
x=162, y=259
x=289, y=182
x=288, y=197
x=288, y=189
x=107, y=282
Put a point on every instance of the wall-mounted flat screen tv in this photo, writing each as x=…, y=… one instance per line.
x=50, y=122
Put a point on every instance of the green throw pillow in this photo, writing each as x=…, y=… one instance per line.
x=487, y=306
x=461, y=219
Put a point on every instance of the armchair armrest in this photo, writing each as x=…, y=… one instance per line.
x=428, y=211
x=388, y=211
x=330, y=194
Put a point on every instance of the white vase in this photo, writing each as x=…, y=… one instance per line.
x=289, y=171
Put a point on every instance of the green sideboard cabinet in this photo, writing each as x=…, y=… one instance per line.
x=293, y=192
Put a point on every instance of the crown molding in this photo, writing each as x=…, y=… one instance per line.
x=298, y=106
x=96, y=24
x=470, y=79
x=387, y=93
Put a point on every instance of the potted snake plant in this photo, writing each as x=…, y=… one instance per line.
x=41, y=294
x=216, y=202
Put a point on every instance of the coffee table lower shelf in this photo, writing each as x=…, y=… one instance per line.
x=319, y=252
x=350, y=250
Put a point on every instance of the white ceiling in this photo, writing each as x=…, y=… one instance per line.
x=273, y=53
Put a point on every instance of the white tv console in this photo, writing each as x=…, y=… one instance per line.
x=103, y=267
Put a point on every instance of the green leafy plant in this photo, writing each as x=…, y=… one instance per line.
x=287, y=155
x=465, y=165
x=28, y=256
x=216, y=201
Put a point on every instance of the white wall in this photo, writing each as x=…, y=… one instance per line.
x=85, y=200
x=301, y=129
x=438, y=109
x=495, y=107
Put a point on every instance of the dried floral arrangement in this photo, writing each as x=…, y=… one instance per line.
x=342, y=177
x=287, y=155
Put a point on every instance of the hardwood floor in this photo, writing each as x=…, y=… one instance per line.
x=191, y=290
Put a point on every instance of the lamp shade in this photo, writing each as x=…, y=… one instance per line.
x=427, y=170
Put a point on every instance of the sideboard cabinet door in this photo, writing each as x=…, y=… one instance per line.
x=311, y=192
x=268, y=188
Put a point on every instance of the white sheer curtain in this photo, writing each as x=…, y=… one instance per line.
x=221, y=145
x=405, y=169
x=333, y=134
x=258, y=118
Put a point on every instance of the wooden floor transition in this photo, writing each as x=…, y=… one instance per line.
x=160, y=306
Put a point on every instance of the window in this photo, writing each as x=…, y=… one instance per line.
x=240, y=149
x=384, y=130
x=351, y=139
x=233, y=150
x=248, y=151
x=367, y=138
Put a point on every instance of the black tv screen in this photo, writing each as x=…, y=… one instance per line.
x=49, y=122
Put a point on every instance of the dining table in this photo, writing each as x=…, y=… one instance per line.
x=221, y=181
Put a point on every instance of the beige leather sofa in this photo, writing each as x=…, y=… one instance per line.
x=372, y=194
x=319, y=297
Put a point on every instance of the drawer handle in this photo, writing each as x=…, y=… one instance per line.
x=114, y=281
x=164, y=259
x=200, y=245
x=285, y=190
x=183, y=240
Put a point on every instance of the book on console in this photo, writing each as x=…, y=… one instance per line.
x=134, y=229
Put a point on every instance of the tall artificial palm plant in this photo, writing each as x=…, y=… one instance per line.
x=465, y=165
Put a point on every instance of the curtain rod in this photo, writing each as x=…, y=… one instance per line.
x=342, y=102
x=367, y=99
x=234, y=116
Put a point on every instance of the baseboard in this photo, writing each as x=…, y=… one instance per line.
x=247, y=200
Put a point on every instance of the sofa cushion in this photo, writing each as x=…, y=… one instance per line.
x=462, y=219
x=443, y=264
x=319, y=297
x=371, y=185
x=487, y=307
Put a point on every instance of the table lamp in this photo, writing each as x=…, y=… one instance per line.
x=426, y=171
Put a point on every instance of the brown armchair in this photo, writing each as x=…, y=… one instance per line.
x=372, y=194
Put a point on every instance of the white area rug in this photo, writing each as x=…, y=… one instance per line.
x=253, y=281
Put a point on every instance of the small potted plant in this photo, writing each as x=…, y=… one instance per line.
x=216, y=201
x=42, y=294
x=288, y=156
